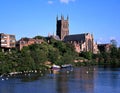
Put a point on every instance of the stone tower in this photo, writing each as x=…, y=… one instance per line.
x=62, y=27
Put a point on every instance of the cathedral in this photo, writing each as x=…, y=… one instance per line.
x=82, y=42
x=62, y=27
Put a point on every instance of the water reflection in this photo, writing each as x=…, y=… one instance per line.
x=81, y=79
x=30, y=77
x=77, y=80
x=62, y=82
x=108, y=79
x=85, y=77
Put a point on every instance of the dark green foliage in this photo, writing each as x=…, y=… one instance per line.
x=53, y=55
x=111, y=58
x=38, y=37
x=65, y=52
x=34, y=56
x=87, y=55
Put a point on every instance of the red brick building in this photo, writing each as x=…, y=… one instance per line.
x=28, y=41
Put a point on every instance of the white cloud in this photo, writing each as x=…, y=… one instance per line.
x=66, y=1
x=50, y=2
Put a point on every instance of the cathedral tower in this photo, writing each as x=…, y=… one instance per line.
x=62, y=27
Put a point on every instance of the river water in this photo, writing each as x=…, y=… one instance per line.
x=74, y=80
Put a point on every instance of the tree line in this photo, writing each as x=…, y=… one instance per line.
x=35, y=56
x=111, y=58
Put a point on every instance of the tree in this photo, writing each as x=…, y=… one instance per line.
x=27, y=62
x=53, y=55
x=113, y=52
x=87, y=55
x=2, y=56
x=39, y=53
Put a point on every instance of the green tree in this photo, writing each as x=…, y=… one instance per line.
x=27, y=62
x=113, y=52
x=87, y=55
x=53, y=55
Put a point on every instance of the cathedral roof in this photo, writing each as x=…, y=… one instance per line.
x=76, y=37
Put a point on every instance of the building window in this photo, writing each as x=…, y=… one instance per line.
x=12, y=36
x=3, y=41
x=12, y=41
x=3, y=36
x=89, y=45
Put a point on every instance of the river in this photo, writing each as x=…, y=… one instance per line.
x=75, y=80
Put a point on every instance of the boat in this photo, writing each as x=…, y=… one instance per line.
x=55, y=67
x=66, y=66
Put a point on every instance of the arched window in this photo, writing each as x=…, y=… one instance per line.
x=89, y=45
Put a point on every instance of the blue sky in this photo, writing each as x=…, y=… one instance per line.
x=28, y=18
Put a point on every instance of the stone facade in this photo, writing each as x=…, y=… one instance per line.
x=82, y=42
x=7, y=41
x=95, y=48
x=62, y=27
x=28, y=41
